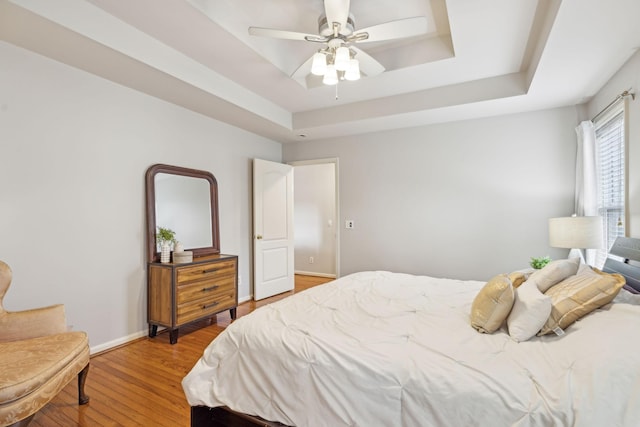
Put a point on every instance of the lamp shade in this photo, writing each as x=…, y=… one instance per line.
x=319, y=64
x=576, y=232
x=331, y=76
x=342, y=58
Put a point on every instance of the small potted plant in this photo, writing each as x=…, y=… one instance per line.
x=165, y=237
x=538, y=263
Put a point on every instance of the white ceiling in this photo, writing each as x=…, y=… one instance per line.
x=478, y=58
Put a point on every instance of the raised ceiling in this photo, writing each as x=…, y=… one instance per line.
x=478, y=58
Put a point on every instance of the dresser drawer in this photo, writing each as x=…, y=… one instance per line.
x=205, y=307
x=206, y=289
x=202, y=272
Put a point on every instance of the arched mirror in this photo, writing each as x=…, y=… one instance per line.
x=185, y=201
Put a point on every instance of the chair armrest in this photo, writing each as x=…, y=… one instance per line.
x=38, y=322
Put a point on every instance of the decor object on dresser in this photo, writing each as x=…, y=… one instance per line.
x=164, y=238
x=201, y=282
x=38, y=358
x=182, y=257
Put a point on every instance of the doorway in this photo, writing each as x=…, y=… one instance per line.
x=316, y=213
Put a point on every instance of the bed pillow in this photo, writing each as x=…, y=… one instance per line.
x=518, y=278
x=578, y=296
x=530, y=311
x=554, y=272
x=492, y=305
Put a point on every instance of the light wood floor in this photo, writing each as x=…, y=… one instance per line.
x=138, y=384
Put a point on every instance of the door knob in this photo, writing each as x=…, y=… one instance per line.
x=259, y=237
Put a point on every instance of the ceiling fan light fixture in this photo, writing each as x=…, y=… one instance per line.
x=331, y=76
x=342, y=58
x=353, y=71
x=336, y=31
x=319, y=64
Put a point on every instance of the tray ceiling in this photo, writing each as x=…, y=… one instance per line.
x=478, y=58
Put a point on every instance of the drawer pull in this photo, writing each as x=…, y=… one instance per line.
x=210, y=288
x=211, y=270
x=204, y=307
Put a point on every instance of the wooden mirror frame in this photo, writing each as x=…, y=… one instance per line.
x=152, y=254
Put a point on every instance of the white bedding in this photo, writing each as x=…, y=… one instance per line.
x=389, y=349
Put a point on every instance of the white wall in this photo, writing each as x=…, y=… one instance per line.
x=73, y=152
x=315, y=219
x=628, y=77
x=463, y=200
x=466, y=199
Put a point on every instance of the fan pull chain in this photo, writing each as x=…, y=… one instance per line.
x=337, y=84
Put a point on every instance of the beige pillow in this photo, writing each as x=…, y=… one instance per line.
x=492, y=304
x=530, y=310
x=518, y=278
x=554, y=272
x=578, y=296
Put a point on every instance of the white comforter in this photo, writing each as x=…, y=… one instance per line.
x=388, y=349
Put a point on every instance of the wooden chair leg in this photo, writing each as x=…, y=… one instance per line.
x=82, y=397
x=82, y=377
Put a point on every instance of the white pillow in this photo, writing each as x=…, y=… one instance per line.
x=554, y=272
x=530, y=311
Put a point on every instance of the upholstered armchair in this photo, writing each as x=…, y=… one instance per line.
x=38, y=358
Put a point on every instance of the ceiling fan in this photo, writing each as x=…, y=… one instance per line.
x=339, y=58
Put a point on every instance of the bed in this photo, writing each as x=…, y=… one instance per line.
x=390, y=349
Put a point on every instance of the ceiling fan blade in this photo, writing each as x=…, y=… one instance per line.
x=304, y=69
x=368, y=65
x=399, y=29
x=283, y=34
x=337, y=11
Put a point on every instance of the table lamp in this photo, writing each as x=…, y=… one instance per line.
x=576, y=233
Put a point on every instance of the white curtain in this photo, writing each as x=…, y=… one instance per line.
x=586, y=197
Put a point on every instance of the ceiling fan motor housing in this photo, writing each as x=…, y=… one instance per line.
x=326, y=30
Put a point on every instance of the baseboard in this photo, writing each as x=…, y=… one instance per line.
x=118, y=342
x=313, y=273
x=110, y=345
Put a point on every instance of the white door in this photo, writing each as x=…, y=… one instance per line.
x=272, y=228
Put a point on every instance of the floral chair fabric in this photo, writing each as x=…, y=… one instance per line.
x=38, y=358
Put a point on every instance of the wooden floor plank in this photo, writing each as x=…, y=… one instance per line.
x=139, y=384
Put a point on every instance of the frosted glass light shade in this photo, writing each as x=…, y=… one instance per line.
x=353, y=72
x=319, y=64
x=331, y=76
x=342, y=58
x=576, y=232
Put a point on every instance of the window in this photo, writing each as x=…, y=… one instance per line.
x=611, y=166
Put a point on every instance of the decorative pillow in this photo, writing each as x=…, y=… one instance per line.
x=530, y=311
x=554, y=272
x=583, y=268
x=518, y=278
x=492, y=304
x=578, y=296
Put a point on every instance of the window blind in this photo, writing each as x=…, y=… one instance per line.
x=611, y=163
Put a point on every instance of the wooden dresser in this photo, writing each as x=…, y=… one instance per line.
x=183, y=293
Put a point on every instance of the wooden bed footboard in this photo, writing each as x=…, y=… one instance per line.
x=203, y=416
